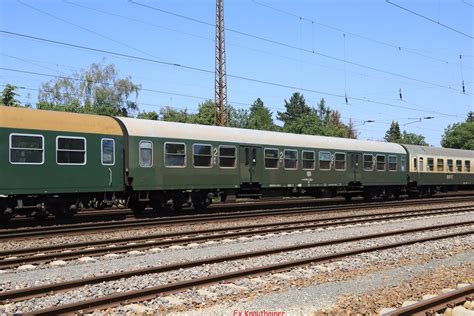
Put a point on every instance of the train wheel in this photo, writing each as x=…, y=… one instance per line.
x=157, y=205
x=6, y=213
x=65, y=210
x=136, y=206
x=177, y=204
x=368, y=196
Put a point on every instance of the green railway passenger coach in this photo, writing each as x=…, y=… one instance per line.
x=167, y=161
x=55, y=160
x=439, y=169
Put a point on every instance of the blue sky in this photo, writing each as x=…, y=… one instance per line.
x=393, y=50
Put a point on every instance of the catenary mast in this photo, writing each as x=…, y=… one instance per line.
x=220, y=83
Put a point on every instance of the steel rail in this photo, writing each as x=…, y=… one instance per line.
x=21, y=294
x=14, y=262
x=48, y=231
x=435, y=304
x=91, y=216
x=152, y=292
x=371, y=217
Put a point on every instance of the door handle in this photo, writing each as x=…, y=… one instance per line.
x=110, y=177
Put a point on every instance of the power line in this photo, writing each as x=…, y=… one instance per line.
x=364, y=37
x=355, y=120
x=211, y=72
x=295, y=47
x=272, y=84
x=430, y=19
x=467, y=3
x=86, y=29
x=229, y=43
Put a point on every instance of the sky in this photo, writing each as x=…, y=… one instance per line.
x=369, y=50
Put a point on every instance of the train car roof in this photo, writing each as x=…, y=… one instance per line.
x=161, y=129
x=435, y=151
x=31, y=119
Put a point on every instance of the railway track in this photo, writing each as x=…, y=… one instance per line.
x=91, y=216
x=21, y=256
x=108, y=301
x=140, y=223
x=436, y=304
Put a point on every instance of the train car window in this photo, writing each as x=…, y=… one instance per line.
x=175, y=155
x=459, y=165
x=415, y=164
x=340, y=161
x=202, y=155
x=271, y=158
x=403, y=163
x=291, y=159
x=421, y=165
x=392, y=163
x=308, y=160
x=368, y=162
x=440, y=165
x=247, y=156
x=227, y=156
x=380, y=162
x=450, y=165
x=324, y=160
x=70, y=150
x=467, y=166
x=108, y=152
x=26, y=149
x=145, y=154
x=430, y=164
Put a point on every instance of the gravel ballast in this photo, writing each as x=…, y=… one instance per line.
x=145, y=231
x=247, y=286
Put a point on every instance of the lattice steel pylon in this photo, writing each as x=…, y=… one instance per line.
x=220, y=82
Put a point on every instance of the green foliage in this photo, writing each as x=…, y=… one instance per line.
x=8, y=96
x=206, y=114
x=152, y=115
x=96, y=90
x=260, y=117
x=412, y=139
x=296, y=108
x=460, y=135
x=172, y=115
x=394, y=134
x=300, y=118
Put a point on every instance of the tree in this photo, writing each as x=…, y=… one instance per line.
x=412, y=139
x=8, y=96
x=296, y=107
x=300, y=118
x=96, y=90
x=206, y=114
x=393, y=135
x=260, y=117
x=460, y=135
x=152, y=115
x=237, y=117
x=170, y=114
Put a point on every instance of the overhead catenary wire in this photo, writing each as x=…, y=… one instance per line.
x=429, y=19
x=356, y=35
x=87, y=30
x=254, y=49
x=132, y=57
x=295, y=47
x=163, y=107
x=144, y=89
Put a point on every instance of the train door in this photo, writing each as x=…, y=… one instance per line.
x=250, y=165
x=355, y=168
